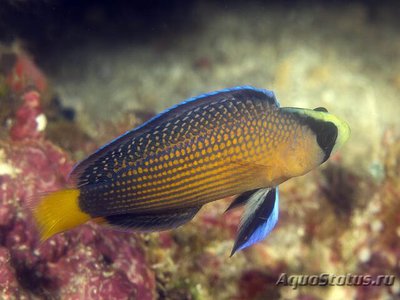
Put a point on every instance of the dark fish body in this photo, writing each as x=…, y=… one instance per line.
x=207, y=148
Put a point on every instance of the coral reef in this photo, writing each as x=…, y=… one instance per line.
x=90, y=263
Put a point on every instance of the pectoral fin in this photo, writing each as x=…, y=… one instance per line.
x=259, y=218
x=241, y=200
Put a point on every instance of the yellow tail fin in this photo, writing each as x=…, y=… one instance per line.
x=59, y=211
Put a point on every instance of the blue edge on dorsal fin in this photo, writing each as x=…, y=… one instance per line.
x=260, y=222
x=76, y=172
x=236, y=88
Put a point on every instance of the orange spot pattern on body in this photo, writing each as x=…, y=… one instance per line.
x=204, y=161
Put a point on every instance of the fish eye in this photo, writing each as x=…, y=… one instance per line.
x=323, y=109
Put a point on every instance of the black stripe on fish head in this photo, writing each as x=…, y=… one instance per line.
x=326, y=133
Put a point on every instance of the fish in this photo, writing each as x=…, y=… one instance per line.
x=232, y=142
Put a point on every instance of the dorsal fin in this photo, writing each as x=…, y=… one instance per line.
x=236, y=93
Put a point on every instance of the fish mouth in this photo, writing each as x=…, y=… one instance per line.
x=343, y=134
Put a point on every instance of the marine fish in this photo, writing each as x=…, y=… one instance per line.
x=236, y=141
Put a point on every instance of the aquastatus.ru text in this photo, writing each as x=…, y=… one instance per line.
x=326, y=279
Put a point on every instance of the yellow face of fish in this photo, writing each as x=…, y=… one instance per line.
x=319, y=135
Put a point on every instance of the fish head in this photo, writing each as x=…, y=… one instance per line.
x=319, y=135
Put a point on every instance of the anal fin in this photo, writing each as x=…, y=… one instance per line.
x=162, y=220
x=259, y=218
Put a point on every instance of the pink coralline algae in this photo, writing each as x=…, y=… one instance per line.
x=29, y=121
x=90, y=262
x=25, y=73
